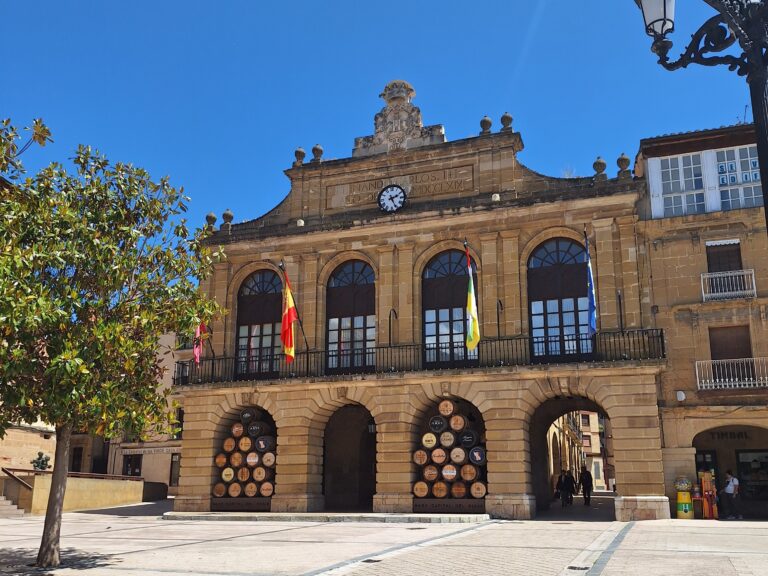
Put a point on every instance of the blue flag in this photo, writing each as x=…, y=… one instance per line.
x=590, y=290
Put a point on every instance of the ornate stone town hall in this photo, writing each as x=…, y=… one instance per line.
x=373, y=246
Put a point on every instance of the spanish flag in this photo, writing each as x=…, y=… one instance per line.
x=473, y=326
x=289, y=317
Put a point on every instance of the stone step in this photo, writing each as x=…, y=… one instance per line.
x=330, y=517
x=8, y=509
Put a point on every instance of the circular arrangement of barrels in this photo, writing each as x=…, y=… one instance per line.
x=451, y=456
x=246, y=464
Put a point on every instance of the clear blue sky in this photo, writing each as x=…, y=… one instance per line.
x=218, y=94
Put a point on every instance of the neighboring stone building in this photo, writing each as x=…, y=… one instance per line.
x=595, y=443
x=373, y=246
x=704, y=234
x=567, y=451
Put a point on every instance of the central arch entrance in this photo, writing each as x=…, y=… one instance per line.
x=349, y=460
x=572, y=434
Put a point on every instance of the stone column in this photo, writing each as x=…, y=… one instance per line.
x=513, y=314
x=223, y=327
x=394, y=475
x=403, y=291
x=307, y=283
x=488, y=285
x=605, y=274
x=629, y=275
x=385, y=297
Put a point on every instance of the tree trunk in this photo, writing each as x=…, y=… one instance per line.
x=48, y=556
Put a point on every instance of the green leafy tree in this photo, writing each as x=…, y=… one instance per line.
x=95, y=264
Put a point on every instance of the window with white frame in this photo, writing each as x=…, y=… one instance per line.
x=682, y=185
x=739, y=178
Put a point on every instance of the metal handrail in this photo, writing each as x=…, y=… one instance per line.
x=728, y=285
x=73, y=474
x=735, y=373
x=10, y=472
x=628, y=345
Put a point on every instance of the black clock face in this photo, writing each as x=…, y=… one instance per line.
x=391, y=198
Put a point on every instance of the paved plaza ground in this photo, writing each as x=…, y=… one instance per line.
x=132, y=541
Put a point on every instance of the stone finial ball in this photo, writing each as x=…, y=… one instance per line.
x=623, y=162
x=299, y=153
x=228, y=216
x=599, y=165
x=506, y=121
x=485, y=124
x=210, y=218
x=317, y=151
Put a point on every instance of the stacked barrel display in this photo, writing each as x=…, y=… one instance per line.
x=246, y=463
x=451, y=457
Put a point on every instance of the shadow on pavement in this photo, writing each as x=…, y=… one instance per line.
x=149, y=509
x=18, y=562
x=601, y=510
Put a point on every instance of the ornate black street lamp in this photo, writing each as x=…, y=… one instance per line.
x=742, y=21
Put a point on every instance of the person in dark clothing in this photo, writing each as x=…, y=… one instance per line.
x=566, y=486
x=586, y=483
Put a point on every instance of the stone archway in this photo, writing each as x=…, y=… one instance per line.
x=742, y=450
x=550, y=453
x=349, y=459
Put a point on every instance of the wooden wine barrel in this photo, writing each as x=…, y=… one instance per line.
x=449, y=472
x=220, y=460
x=439, y=456
x=237, y=429
x=438, y=424
x=440, y=489
x=234, y=490
x=458, y=490
x=478, y=490
x=268, y=459
x=420, y=457
x=477, y=455
x=421, y=489
x=227, y=474
x=267, y=489
x=430, y=473
x=247, y=415
x=458, y=455
x=446, y=407
x=251, y=489
x=243, y=474
x=236, y=459
x=256, y=429
x=260, y=473
x=447, y=439
x=469, y=438
x=219, y=489
x=469, y=473
x=229, y=444
x=252, y=459
x=457, y=422
x=245, y=444
x=429, y=440
x=265, y=443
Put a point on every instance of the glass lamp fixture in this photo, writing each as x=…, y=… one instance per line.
x=659, y=16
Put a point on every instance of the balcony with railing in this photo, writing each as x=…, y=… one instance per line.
x=634, y=345
x=735, y=374
x=728, y=285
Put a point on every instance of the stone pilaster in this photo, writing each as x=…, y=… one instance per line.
x=605, y=274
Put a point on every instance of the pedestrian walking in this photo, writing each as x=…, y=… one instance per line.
x=566, y=485
x=586, y=483
x=571, y=482
x=729, y=497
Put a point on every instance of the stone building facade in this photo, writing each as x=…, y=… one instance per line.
x=374, y=248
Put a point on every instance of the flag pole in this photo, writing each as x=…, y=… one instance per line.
x=298, y=315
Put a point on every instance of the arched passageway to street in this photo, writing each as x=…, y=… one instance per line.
x=572, y=434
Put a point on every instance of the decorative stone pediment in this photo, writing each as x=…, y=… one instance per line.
x=398, y=126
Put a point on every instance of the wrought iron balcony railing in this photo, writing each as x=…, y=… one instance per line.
x=631, y=345
x=737, y=373
x=728, y=285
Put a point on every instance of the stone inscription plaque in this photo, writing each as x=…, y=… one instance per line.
x=418, y=186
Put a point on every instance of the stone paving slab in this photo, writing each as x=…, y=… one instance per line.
x=131, y=545
x=328, y=517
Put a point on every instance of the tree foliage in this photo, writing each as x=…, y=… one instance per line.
x=96, y=262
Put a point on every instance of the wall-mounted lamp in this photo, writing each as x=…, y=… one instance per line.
x=680, y=396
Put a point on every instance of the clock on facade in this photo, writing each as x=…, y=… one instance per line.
x=391, y=198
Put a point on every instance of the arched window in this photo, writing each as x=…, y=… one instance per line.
x=444, y=304
x=351, y=318
x=558, y=303
x=259, y=309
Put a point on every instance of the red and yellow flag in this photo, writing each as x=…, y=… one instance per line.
x=289, y=317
